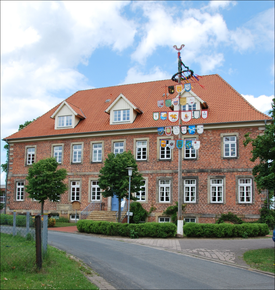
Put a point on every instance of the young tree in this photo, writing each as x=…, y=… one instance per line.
x=45, y=181
x=114, y=179
x=263, y=148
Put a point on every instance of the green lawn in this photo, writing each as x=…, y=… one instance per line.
x=262, y=259
x=19, y=271
x=58, y=224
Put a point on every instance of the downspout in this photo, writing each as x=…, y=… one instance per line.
x=7, y=174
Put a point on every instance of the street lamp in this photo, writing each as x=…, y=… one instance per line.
x=130, y=172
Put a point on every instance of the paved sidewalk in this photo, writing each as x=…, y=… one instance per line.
x=227, y=251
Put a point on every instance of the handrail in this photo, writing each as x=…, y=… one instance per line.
x=89, y=208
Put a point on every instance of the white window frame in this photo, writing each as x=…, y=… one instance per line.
x=72, y=217
x=20, y=185
x=190, y=220
x=165, y=153
x=97, y=152
x=190, y=153
x=188, y=189
x=188, y=107
x=245, y=190
x=164, y=191
x=229, y=146
x=216, y=190
x=164, y=219
x=57, y=153
x=118, y=147
x=77, y=152
x=141, y=195
x=75, y=190
x=95, y=191
x=30, y=155
x=65, y=121
x=141, y=150
x=122, y=115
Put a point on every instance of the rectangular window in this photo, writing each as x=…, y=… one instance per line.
x=57, y=153
x=65, y=121
x=216, y=188
x=141, y=150
x=165, y=153
x=97, y=152
x=245, y=190
x=72, y=217
x=190, y=220
x=19, y=191
x=118, y=147
x=75, y=190
x=30, y=155
x=230, y=146
x=189, y=152
x=164, y=191
x=164, y=219
x=141, y=195
x=190, y=190
x=77, y=152
x=95, y=191
x=121, y=115
x=189, y=107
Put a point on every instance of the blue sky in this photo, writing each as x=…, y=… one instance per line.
x=49, y=50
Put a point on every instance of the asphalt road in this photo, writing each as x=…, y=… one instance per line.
x=131, y=266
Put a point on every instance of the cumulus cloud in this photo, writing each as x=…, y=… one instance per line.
x=261, y=103
x=215, y=5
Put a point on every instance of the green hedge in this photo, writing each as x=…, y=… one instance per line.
x=7, y=219
x=156, y=230
x=225, y=230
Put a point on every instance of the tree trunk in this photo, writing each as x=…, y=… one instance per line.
x=119, y=209
x=42, y=206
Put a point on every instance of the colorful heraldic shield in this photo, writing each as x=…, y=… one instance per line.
x=190, y=101
x=161, y=130
x=168, y=131
x=187, y=87
x=196, y=114
x=173, y=116
x=171, y=144
x=196, y=144
x=188, y=144
x=186, y=116
x=200, y=129
x=160, y=103
x=204, y=114
x=163, y=143
x=178, y=88
x=179, y=144
x=175, y=101
x=163, y=116
x=183, y=101
x=176, y=130
x=192, y=129
x=183, y=129
x=156, y=116
x=168, y=103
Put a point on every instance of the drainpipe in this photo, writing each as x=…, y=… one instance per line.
x=7, y=173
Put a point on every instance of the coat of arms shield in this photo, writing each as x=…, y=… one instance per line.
x=163, y=116
x=160, y=103
x=196, y=114
x=163, y=143
x=173, y=116
x=156, y=116
x=186, y=116
x=161, y=130
x=176, y=130
x=204, y=114
x=168, y=131
x=183, y=129
x=196, y=144
x=200, y=129
x=171, y=144
x=179, y=144
x=187, y=87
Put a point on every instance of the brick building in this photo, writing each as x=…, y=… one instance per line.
x=82, y=130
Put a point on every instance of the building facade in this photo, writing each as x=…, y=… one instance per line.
x=144, y=118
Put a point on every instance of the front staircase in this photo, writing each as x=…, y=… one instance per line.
x=103, y=215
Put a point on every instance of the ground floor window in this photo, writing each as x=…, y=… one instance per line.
x=190, y=220
x=164, y=219
x=245, y=190
x=72, y=217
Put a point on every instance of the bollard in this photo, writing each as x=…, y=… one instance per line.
x=14, y=223
x=27, y=223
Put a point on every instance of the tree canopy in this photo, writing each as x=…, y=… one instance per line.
x=114, y=179
x=45, y=181
x=263, y=150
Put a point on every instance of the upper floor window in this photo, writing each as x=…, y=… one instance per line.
x=189, y=151
x=57, y=153
x=141, y=195
x=189, y=190
x=245, y=190
x=97, y=152
x=165, y=153
x=216, y=188
x=19, y=191
x=189, y=107
x=230, y=146
x=95, y=191
x=65, y=121
x=141, y=150
x=77, y=153
x=30, y=155
x=164, y=190
x=118, y=147
x=121, y=115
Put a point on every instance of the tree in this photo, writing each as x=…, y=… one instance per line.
x=263, y=148
x=114, y=179
x=45, y=181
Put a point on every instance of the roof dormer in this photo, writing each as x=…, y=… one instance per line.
x=67, y=116
x=122, y=111
x=197, y=104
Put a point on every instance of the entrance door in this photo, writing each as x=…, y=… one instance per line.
x=114, y=203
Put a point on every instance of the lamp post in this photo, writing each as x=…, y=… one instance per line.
x=130, y=172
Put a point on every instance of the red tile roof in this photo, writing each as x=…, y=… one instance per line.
x=225, y=105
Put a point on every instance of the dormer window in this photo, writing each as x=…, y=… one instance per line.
x=121, y=115
x=189, y=107
x=65, y=121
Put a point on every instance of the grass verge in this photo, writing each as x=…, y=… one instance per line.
x=58, y=224
x=19, y=271
x=262, y=259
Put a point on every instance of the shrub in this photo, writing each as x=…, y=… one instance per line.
x=230, y=217
x=158, y=230
x=51, y=222
x=172, y=211
x=224, y=230
x=7, y=219
x=139, y=213
x=268, y=217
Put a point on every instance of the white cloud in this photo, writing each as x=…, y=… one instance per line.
x=261, y=103
x=215, y=5
x=3, y=178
